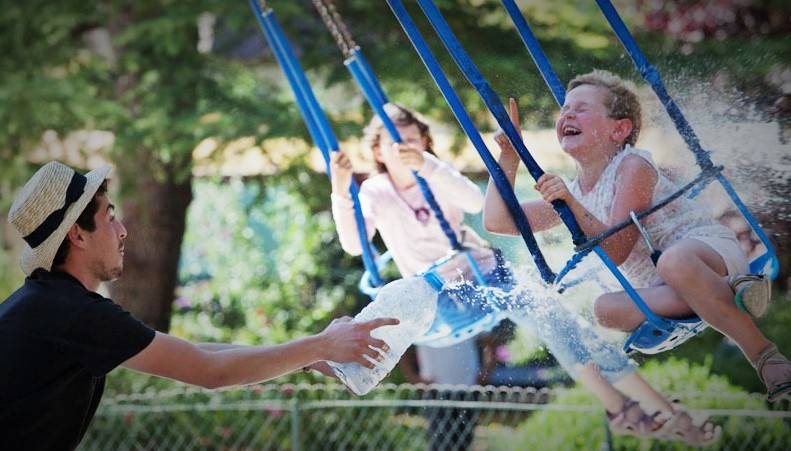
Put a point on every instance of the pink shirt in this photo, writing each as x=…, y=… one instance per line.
x=413, y=246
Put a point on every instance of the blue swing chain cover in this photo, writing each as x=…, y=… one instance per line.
x=315, y=119
x=456, y=323
x=656, y=334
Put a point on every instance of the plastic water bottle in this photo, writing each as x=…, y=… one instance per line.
x=413, y=300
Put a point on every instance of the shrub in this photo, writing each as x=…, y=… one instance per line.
x=698, y=388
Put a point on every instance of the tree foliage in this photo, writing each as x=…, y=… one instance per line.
x=142, y=70
x=260, y=265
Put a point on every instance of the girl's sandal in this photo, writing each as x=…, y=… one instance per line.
x=752, y=293
x=631, y=420
x=780, y=387
x=681, y=426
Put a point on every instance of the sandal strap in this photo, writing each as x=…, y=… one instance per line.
x=735, y=280
x=681, y=426
x=625, y=407
x=622, y=423
x=766, y=356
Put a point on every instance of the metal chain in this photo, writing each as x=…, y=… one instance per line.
x=336, y=26
x=341, y=25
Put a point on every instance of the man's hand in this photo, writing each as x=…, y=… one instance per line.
x=323, y=367
x=346, y=341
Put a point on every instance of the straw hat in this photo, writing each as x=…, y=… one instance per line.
x=46, y=208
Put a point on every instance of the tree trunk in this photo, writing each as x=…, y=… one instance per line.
x=154, y=213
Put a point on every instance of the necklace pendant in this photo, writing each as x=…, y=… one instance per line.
x=422, y=214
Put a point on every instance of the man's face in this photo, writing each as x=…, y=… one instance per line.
x=107, y=247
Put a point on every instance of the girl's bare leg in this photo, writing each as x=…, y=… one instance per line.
x=696, y=272
x=641, y=391
x=695, y=284
x=611, y=399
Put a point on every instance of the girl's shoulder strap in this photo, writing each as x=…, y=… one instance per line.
x=630, y=150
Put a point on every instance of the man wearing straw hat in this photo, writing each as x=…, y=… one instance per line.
x=59, y=337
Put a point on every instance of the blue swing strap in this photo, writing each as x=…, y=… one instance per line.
x=498, y=177
x=496, y=107
x=651, y=75
x=295, y=76
x=371, y=88
x=315, y=120
x=464, y=63
x=463, y=310
x=534, y=48
x=655, y=334
x=454, y=321
x=768, y=263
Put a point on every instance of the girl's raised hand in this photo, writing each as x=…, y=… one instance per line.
x=341, y=168
x=500, y=137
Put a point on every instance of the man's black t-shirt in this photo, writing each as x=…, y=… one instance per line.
x=57, y=342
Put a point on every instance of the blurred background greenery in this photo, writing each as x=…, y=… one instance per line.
x=172, y=91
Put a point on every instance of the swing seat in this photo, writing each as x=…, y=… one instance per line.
x=766, y=264
x=463, y=310
x=662, y=334
x=455, y=323
x=458, y=320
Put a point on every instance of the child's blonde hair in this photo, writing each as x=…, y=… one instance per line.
x=621, y=103
x=401, y=117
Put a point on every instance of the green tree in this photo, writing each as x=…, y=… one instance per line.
x=135, y=68
x=164, y=75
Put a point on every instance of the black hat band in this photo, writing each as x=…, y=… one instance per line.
x=53, y=221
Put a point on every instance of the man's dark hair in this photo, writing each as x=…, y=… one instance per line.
x=85, y=221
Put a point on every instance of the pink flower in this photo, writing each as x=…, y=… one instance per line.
x=182, y=302
x=503, y=356
x=274, y=411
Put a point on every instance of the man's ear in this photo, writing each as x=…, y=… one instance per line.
x=623, y=127
x=76, y=236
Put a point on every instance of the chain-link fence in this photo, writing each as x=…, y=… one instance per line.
x=404, y=417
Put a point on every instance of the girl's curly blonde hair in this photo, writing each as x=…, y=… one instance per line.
x=621, y=103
